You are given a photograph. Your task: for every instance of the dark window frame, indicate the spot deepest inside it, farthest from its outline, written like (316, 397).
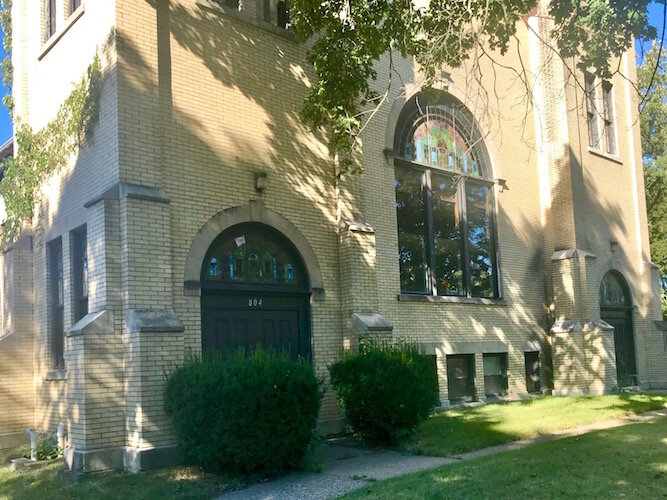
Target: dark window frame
(56, 303)
(594, 136)
(73, 6)
(50, 12)
(462, 180)
(609, 118)
(469, 393)
(79, 266)
(533, 379)
(496, 381)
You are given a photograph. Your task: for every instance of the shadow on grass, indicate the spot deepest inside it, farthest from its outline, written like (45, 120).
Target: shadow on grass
(48, 482)
(462, 430)
(625, 462)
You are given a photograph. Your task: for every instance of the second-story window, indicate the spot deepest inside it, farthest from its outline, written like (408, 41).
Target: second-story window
(275, 12)
(80, 273)
(49, 19)
(609, 118)
(73, 5)
(592, 112)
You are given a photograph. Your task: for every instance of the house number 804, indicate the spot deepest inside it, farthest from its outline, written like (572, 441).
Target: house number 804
(254, 302)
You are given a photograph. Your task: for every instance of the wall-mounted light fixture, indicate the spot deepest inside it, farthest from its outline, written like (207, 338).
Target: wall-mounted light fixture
(260, 182)
(502, 185)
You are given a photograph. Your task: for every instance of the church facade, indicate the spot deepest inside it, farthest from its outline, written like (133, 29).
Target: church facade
(506, 233)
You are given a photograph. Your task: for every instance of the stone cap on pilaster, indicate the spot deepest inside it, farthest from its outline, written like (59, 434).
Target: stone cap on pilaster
(123, 190)
(23, 242)
(354, 226)
(152, 320)
(100, 322)
(370, 322)
(572, 253)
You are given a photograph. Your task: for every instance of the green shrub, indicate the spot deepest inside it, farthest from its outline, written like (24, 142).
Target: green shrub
(385, 390)
(252, 413)
(46, 448)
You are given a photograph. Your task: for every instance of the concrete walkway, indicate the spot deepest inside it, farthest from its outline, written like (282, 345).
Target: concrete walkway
(349, 465)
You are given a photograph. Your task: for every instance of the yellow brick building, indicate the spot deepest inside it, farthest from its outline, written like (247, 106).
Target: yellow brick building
(507, 235)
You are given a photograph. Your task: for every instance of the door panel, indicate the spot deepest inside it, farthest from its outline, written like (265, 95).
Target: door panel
(232, 320)
(626, 367)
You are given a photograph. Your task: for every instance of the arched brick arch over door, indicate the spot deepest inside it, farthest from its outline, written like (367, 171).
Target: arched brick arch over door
(256, 274)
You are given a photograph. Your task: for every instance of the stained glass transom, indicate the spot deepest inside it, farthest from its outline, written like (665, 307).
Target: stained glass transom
(253, 254)
(613, 291)
(442, 135)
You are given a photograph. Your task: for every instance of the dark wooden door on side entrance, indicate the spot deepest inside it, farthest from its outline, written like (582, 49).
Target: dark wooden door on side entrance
(626, 367)
(616, 309)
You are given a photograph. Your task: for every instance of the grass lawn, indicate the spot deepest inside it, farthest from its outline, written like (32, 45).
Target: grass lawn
(458, 431)
(629, 461)
(182, 482)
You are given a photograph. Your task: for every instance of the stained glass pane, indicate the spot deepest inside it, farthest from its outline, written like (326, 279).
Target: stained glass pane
(480, 241)
(443, 136)
(447, 235)
(613, 292)
(411, 216)
(254, 254)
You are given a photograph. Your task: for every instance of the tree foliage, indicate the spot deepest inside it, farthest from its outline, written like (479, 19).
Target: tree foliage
(350, 36)
(6, 67)
(40, 153)
(653, 85)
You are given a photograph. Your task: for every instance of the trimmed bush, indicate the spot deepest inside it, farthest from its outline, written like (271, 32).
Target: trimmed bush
(385, 390)
(252, 413)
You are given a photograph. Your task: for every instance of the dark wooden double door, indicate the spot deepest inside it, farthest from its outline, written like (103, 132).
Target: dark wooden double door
(626, 365)
(233, 320)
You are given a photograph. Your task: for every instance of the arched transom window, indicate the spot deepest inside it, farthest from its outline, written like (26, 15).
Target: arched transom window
(253, 255)
(614, 291)
(444, 202)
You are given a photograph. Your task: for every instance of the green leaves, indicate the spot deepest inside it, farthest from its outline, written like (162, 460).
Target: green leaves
(39, 154)
(350, 36)
(653, 85)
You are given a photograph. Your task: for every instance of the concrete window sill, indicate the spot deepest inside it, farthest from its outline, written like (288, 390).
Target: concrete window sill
(69, 22)
(606, 156)
(241, 16)
(55, 375)
(406, 297)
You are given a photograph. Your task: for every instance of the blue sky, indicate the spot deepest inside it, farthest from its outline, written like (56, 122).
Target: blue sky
(655, 16)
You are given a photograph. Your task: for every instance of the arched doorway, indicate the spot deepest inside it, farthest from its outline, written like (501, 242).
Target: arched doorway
(255, 292)
(616, 309)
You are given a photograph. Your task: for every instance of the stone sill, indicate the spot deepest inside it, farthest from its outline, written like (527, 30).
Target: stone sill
(606, 156)
(56, 375)
(451, 300)
(241, 16)
(69, 22)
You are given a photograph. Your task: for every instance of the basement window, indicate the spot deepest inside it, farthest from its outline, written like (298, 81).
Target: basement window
(533, 379)
(461, 377)
(495, 374)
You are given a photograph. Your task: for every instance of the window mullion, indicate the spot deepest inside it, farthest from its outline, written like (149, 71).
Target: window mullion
(430, 235)
(467, 272)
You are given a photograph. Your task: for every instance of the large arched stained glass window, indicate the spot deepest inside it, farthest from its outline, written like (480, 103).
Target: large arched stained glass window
(444, 202)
